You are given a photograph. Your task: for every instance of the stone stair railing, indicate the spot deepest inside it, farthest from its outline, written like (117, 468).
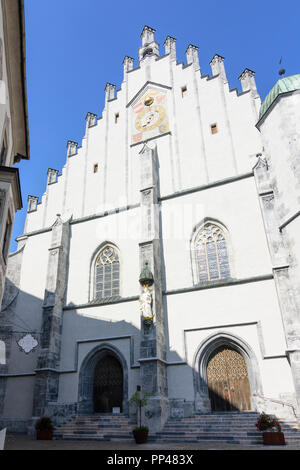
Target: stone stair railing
(280, 402)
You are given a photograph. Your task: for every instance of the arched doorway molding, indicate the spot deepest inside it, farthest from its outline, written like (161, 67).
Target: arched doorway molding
(201, 358)
(86, 377)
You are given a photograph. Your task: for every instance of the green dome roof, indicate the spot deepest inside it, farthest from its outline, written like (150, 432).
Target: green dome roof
(284, 85)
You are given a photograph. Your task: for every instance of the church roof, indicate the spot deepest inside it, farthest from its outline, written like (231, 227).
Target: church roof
(284, 85)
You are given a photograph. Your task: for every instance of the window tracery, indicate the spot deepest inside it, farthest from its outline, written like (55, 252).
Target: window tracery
(107, 273)
(211, 256)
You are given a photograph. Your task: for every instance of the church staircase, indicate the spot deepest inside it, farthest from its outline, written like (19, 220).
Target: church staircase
(226, 427)
(97, 427)
(222, 427)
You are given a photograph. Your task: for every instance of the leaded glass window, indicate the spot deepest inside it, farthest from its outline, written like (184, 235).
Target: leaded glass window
(107, 274)
(211, 255)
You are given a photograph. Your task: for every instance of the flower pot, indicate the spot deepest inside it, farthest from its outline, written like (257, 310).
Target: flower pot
(140, 435)
(273, 438)
(44, 435)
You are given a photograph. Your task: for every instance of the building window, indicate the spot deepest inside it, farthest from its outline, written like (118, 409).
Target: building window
(4, 148)
(210, 251)
(95, 167)
(6, 239)
(117, 118)
(183, 91)
(107, 274)
(213, 128)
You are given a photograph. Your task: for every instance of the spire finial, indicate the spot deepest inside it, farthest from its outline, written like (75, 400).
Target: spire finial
(281, 71)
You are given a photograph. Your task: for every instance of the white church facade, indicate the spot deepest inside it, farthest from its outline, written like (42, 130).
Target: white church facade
(164, 255)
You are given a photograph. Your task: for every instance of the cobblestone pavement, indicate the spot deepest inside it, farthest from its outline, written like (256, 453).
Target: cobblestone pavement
(24, 442)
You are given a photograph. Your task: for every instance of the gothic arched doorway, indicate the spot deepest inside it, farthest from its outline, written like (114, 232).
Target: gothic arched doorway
(108, 384)
(228, 381)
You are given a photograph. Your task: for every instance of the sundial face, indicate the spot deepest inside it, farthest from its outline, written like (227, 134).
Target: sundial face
(149, 115)
(149, 118)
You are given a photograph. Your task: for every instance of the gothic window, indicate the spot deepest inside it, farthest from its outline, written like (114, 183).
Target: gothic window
(210, 251)
(107, 273)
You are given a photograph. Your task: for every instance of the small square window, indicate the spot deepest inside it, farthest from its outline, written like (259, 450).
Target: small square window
(183, 91)
(117, 118)
(95, 167)
(213, 128)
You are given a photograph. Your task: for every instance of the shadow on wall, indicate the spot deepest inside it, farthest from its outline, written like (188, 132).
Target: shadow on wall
(99, 364)
(109, 350)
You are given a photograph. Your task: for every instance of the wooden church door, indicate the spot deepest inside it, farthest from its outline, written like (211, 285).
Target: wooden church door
(108, 385)
(228, 382)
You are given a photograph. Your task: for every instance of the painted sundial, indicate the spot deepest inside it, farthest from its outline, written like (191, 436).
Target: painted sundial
(149, 116)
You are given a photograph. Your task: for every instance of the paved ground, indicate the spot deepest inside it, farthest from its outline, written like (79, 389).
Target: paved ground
(24, 442)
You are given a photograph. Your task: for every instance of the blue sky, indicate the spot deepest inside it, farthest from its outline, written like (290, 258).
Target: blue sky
(74, 47)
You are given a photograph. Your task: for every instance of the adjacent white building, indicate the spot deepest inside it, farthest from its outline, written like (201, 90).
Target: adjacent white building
(14, 137)
(186, 193)
(14, 146)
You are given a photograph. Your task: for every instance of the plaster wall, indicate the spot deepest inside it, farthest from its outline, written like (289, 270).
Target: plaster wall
(119, 229)
(68, 388)
(281, 133)
(236, 207)
(80, 191)
(98, 322)
(19, 398)
(247, 311)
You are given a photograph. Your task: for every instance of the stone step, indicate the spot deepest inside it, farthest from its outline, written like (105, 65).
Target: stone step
(226, 428)
(102, 421)
(108, 437)
(227, 423)
(246, 437)
(222, 428)
(234, 428)
(98, 426)
(101, 433)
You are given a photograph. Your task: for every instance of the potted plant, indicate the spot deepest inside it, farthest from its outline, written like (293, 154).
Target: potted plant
(271, 430)
(140, 432)
(44, 429)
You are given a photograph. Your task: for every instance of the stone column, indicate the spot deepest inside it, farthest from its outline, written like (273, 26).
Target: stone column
(52, 176)
(47, 376)
(170, 47)
(153, 370)
(72, 148)
(248, 81)
(109, 92)
(192, 56)
(217, 67)
(91, 120)
(127, 66)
